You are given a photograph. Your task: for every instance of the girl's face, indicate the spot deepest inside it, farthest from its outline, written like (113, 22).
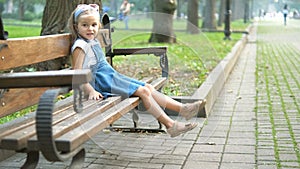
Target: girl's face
(88, 26)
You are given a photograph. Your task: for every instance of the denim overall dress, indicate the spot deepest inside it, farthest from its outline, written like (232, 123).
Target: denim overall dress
(106, 79)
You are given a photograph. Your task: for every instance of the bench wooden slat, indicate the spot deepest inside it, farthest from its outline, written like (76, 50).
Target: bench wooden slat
(33, 50)
(18, 139)
(18, 52)
(28, 119)
(45, 78)
(28, 97)
(159, 82)
(14, 100)
(78, 119)
(81, 134)
(147, 79)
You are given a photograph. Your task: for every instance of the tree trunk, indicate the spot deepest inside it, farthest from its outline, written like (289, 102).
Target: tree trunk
(221, 12)
(179, 4)
(1, 8)
(56, 15)
(10, 6)
(209, 21)
(246, 12)
(114, 7)
(21, 9)
(55, 20)
(193, 22)
(163, 12)
(238, 7)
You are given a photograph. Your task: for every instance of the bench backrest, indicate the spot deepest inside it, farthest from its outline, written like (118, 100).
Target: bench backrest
(26, 51)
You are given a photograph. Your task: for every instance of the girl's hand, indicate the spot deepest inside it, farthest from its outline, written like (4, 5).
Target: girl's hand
(94, 95)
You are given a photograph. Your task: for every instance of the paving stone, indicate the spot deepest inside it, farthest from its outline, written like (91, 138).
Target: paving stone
(207, 148)
(204, 156)
(239, 158)
(267, 166)
(194, 164)
(241, 141)
(170, 166)
(239, 149)
(145, 165)
(237, 166)
(213, 140)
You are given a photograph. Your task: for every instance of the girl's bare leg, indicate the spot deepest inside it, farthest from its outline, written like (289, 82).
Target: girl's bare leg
(165, 101)
(174, 128)
(188, 110)
(152, 107)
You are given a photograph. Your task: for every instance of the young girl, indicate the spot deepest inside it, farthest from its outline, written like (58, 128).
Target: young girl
(84, 25)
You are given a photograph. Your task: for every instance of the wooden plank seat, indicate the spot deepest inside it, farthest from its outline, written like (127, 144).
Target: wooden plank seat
(63, 131)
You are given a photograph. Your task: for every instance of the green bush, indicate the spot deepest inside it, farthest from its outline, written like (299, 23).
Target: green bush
(10, 15)
(29, 16)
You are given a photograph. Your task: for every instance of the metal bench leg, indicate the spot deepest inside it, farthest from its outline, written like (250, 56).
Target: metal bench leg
(31, 160)
(135, 119)
(164, 64)
(78, 160)
(160, 125)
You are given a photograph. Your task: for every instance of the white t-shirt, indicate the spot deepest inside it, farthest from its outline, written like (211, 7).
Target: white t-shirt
(90, 58)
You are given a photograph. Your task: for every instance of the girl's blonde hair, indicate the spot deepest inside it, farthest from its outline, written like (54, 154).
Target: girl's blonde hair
(78, 12)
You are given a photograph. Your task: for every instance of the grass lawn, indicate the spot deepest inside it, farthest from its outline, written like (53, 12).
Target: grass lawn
(190, 59)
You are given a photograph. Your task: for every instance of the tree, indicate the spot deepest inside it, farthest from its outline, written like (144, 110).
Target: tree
(238, 7)
(179, 5)
(55, 20)
(1, 7)
(21, 9)
(209, 21)
(10, 5)
(221, 12)
(193, 22)
(246, 11)
(163, 12)
(55, 16)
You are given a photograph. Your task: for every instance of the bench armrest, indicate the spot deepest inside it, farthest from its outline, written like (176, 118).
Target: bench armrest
(59, 78)
(157, 51)
(146, 50)
(44, 130)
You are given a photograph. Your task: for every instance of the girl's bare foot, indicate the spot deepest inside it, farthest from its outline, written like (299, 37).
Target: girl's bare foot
(189, 110)
(180, 128)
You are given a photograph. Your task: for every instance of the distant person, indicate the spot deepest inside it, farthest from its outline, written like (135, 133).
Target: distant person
(285, 13)
(124, 12)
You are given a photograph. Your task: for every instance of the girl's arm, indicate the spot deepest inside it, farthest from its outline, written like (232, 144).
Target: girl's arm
(77, 59)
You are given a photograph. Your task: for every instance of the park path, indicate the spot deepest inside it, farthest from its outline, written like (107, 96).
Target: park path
(255, 122)
(278, 95)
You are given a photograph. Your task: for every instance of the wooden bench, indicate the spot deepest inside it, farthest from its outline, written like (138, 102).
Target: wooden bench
(57, 129)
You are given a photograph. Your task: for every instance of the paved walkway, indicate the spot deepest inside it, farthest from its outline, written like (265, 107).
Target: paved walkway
(255, 122)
